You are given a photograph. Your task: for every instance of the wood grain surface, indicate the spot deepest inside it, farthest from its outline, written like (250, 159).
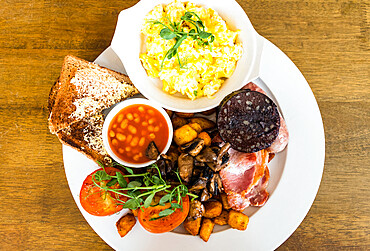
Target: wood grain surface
(327, 39)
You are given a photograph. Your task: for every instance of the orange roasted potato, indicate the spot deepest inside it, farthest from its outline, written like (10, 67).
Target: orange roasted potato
(206, 138)
(125, 224)
(222, 218)
(184, 135)
(206, 229)
(238, 220)
(224, 201)
(192, 226)
(212, 209)
(196, 127)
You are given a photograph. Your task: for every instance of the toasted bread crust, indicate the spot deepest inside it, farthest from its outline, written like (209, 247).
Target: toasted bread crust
(84, 134)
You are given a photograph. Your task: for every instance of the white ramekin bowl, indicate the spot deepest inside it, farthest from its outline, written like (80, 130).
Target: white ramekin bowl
(127, 42)
(115, 110)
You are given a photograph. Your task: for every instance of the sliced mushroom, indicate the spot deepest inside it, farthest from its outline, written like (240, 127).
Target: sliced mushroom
(199, 184)
(212, 185)
(223, 157)
(207, 155)
(196, 210)
(219, 182)
(205, 195)
(213, 166)
(199, 164)
(185, 162)
(207, 173)
(194, 147)
(152, 151)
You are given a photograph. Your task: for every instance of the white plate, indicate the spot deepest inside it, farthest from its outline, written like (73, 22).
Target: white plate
(295, 173)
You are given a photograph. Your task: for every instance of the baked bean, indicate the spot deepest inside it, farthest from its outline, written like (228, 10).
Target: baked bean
(144, 123)
(142, 141)
(121, 137)
(151, 112)
(129, 138)
(134, 141)
(151, 121)
(152, 136)
(119, 118)
(136, 115)
(114, 142)
(121, 151)
(124, 124)
(141, 109)
(112, 134)
(132, 129)
(151, 128)
(115, 126)
(130, 116)
(127, 148)
(137, 120)
(156, 129)
(136, 157)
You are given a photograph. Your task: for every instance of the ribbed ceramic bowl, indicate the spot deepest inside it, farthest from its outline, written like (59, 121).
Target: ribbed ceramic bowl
(127, 44)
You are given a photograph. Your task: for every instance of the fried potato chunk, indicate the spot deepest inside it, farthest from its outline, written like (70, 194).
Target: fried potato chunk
(224, 201)
(206, 229)
(192, 226)
(177, 122)
(222, 218)
(125, 224)
(184, 114)
(203, 122)
(196, 127)
(184, 135)
(212, 209)
(238, 220)
(205, 136)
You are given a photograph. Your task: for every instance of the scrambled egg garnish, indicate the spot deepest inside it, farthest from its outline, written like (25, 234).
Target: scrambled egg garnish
(204, 68)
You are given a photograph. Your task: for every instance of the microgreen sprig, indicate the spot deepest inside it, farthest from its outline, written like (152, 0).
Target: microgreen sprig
(175, 30)
(142, 189)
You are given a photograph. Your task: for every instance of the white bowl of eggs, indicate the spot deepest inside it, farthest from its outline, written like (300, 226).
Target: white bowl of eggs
(187, 55)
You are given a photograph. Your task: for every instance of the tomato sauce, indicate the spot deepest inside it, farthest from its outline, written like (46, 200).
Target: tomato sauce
(133, 128)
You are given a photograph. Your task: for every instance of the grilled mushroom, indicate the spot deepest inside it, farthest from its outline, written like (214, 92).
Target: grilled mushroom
(205, 195)
(152, 151)
(194, 147)
(219, 182)
(196, 210)
(223, 157)
(207, 155)
(185, 162)
(199, 184)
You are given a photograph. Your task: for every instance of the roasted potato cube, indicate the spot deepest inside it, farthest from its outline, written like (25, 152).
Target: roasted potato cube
(135, 211)
(196, 127)
(222, 218)
(203, 122)
(184, 115)
(238, 220)
(169, 112)
(224, 201)
(205, 136)
(177, 122)
(212, 209)
(125, 224)
(206, 229)
(184, 135)
(192, 226)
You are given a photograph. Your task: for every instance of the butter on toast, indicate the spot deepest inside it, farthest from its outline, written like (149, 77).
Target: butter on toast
(83, 90)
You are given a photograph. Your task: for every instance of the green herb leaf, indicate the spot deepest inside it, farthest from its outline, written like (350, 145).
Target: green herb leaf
(133, 184)
(164, 199)
(176, 205)
(156, 180)
(166, 212)
(131, 204)
(167, 34)
(121, 180)
(101, 175)
(195, 93)
(204, 34)
(148, 200)
(112, 182)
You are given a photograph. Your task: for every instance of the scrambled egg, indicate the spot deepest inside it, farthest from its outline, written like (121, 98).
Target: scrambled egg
(205, 68)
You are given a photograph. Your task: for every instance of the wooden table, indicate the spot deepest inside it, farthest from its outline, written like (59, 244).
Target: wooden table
(327, 39)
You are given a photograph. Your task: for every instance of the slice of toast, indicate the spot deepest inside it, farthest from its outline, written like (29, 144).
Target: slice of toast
(85, 89)
(86, 137)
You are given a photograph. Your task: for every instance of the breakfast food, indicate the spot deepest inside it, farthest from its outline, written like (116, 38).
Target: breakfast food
(190, 48)
(248, 120)
(79, 83)
(135, 127)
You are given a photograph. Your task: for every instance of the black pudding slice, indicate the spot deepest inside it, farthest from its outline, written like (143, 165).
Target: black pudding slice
(248, 120)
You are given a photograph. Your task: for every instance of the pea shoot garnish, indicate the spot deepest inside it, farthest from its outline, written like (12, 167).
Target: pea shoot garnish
(142, 189)
(175, 30)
